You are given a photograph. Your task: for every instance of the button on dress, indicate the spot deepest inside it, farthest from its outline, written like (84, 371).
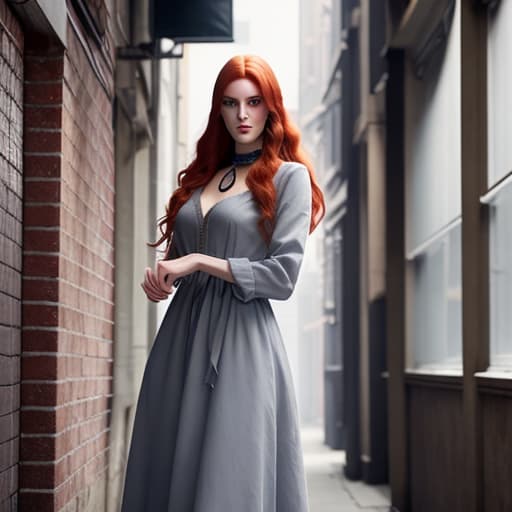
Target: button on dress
(216, 424)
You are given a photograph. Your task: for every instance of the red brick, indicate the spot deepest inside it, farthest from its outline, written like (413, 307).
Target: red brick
(10, 306)
(9, 399)
(37, 422)
(40, 476)
(42, 191)
(30, 501)
(9, 453)
(77, 459)
(40, 315)
(9, 426)
(43, 116)
(40, 341)
(43, 393)
(45, 166)
(41, 240)
(40, 289)
(84, 216)
(95, 367)
(65, 492)
(9, 486)
(41, 265)
(37, 448)
(73, 366)
(9, 370)
(40, 367)
(11, 340)
(41, 216)
(42, 142)
(43, 93)
(42, 68)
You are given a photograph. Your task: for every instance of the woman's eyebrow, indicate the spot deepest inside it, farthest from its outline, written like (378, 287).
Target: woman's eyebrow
(257, 96)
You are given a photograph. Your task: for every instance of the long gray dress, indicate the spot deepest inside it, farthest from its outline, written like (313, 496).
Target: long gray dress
(216, 424)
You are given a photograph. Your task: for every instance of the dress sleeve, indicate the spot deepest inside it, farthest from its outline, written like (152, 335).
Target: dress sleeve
(274, 277)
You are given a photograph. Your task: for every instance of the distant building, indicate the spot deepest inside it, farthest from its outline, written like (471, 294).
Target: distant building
(320, 121)
(427, 278)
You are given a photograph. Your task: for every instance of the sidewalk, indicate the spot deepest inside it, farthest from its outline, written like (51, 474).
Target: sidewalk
(328, 490)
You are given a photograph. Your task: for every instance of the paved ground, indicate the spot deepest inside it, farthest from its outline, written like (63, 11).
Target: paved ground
(328, 490)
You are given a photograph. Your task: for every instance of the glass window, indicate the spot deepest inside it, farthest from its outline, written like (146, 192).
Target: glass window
(436, 312)
(499, 196)
(500, 241)
(433, 207)
(499, 78)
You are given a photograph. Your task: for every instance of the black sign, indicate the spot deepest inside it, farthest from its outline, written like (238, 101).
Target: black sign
(193, 21)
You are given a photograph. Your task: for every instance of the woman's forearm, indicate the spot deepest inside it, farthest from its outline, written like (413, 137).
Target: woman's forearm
(217, 267)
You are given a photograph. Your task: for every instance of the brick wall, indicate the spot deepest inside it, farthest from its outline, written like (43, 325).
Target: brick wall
(68, 277)
(11, 176)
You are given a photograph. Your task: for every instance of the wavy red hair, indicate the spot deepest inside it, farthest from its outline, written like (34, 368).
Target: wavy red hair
(215, 148)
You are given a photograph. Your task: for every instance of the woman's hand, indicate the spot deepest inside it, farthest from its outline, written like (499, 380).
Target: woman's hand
(168, 271)
(158, 285)
(151, 287)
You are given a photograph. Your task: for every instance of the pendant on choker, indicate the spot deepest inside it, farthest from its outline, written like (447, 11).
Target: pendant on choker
(229, 178)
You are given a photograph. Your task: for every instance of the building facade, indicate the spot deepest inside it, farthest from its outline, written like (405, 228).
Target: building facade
(81, 160)
(426, 251)
(449, 285)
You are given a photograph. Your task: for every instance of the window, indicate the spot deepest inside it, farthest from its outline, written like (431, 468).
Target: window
(501, 277)
(433, 208)
(499, 195)
(499, 78)
(436, 301)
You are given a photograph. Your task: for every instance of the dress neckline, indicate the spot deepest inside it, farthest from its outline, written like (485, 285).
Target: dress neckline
(199, 192)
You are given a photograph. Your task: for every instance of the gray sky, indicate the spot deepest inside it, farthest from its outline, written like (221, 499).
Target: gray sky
(268, 28)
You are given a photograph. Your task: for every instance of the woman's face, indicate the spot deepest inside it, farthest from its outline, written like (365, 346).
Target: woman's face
(244, 113)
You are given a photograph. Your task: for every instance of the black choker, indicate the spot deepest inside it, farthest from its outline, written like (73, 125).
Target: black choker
(238, 159)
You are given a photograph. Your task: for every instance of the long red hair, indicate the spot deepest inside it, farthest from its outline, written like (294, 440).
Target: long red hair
(215, 148)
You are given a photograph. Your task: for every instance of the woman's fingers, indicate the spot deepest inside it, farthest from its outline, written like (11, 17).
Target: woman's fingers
(150, 276)
(151, 288)
(155, 293)
(149, 294)
(154, 290)
(152, 284)
(155, 297)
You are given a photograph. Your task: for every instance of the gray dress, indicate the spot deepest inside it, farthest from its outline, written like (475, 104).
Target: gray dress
(216, 424)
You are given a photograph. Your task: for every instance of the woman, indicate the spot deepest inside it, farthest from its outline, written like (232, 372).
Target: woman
(216, 427)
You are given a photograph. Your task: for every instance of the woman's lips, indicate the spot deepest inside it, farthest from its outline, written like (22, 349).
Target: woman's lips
(244, 128)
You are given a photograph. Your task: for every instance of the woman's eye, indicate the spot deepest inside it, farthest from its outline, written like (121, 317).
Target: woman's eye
(254, 101)
(228, 103)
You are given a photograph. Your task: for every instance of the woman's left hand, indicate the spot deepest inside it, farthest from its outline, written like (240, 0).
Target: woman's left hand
(167, 271)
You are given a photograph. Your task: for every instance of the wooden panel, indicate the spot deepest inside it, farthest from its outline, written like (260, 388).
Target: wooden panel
(497, 452)
(436, 449)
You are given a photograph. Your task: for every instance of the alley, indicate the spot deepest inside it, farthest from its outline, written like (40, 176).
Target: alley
(328, 490)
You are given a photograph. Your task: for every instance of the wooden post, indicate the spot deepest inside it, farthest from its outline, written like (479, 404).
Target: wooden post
(475, 259)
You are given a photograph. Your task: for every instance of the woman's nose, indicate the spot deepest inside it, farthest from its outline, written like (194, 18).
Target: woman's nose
(242, 113)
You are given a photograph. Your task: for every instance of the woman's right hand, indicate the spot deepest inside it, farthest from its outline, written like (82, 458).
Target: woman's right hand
(152, 288)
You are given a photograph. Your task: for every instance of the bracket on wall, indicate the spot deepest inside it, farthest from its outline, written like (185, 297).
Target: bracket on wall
(153, 51)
